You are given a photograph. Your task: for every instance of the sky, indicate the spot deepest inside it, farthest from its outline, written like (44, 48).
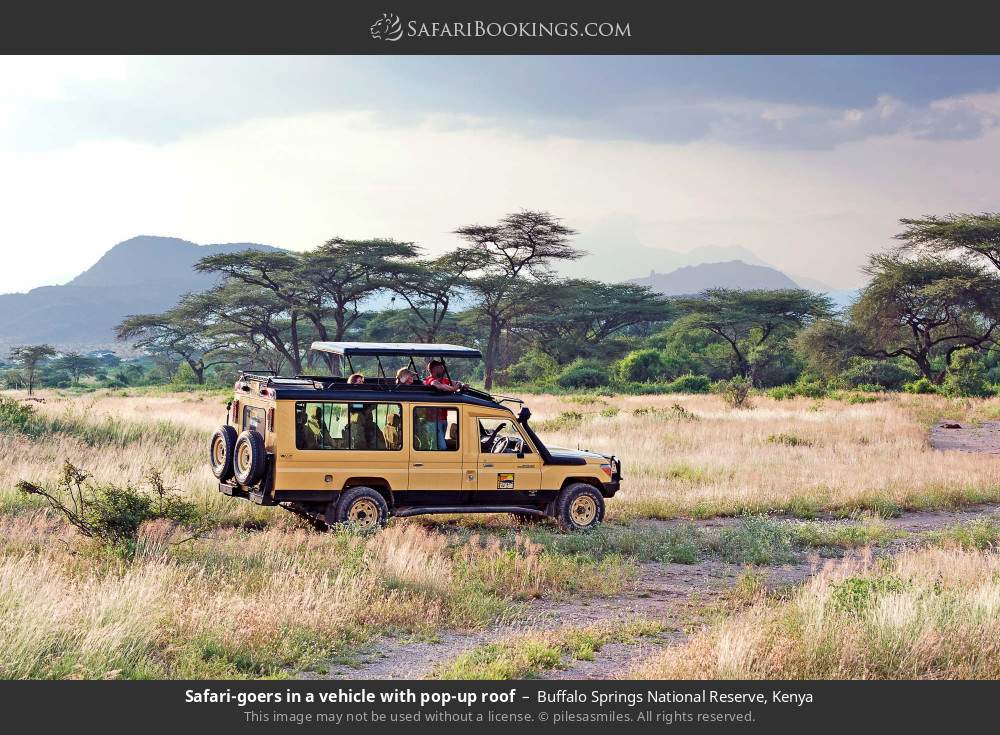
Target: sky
(808, 162)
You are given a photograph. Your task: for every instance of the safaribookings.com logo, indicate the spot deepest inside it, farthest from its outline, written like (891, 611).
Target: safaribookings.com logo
(390, 28)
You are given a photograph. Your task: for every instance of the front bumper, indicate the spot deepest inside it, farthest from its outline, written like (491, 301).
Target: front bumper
(613, 485)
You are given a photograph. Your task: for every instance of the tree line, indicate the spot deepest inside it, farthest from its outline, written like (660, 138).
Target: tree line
(930, 310)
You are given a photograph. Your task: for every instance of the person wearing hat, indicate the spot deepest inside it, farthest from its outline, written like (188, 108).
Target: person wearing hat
(437, 378)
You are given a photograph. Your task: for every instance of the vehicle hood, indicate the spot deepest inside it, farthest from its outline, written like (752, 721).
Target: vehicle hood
(563, 452)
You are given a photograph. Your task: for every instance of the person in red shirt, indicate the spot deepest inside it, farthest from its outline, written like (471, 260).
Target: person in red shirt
(436, 377)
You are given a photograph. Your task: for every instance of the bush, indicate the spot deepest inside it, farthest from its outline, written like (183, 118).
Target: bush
(735, 392)
(114, 514)
(967, 376)
(690, 384)
(756, 540)
(641, 366)
(862, 373)
(184, 375)
(15, 417)
(533, 366)
(583, 374)
(921, 385)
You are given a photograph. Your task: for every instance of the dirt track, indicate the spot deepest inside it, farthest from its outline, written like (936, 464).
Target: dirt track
(675, 594)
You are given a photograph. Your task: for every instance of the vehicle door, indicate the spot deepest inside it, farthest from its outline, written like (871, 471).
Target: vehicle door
(436, 447)
(506, 458)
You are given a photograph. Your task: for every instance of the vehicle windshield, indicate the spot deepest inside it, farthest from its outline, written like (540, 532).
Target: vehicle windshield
(501, 436)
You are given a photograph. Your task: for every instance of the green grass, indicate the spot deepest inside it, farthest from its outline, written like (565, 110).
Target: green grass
(525, 657)
(756, 540)
(683, 544)
(981, 534)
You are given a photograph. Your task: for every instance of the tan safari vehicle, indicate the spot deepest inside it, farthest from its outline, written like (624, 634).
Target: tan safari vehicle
(335, 452)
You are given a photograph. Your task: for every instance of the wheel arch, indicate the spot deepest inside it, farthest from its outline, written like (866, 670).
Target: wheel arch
(378, 484)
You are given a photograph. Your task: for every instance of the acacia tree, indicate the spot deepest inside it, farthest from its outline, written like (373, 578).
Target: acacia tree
(76, 365)
(519, 251)
(748, 321)
(429, 286)
(179, 333)
(923, 309)
(575, 315)
(974, 236)
(29, 358)
(239, 314)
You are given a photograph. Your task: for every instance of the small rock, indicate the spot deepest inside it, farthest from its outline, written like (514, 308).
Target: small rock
(951, 426)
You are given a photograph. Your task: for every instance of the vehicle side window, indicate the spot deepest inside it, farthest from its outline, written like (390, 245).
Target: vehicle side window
(253, 419)
(361, 426)
(435, 429)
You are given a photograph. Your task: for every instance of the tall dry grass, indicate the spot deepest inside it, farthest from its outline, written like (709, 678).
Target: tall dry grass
(801, 455)
(931, 614)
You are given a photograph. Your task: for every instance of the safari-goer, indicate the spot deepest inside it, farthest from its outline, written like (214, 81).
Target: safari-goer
(405, 376)
(356, 379)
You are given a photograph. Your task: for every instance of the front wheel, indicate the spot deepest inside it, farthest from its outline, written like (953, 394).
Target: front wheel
(361, 508)
(579, 507)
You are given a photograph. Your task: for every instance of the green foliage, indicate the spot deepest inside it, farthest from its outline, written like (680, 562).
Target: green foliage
(920, 385)
(888, 374)
(756, 540)
(681, 545)
(583, 374)
(641, 366)
(981, 534)
(184, 375)
(735, 391)
(857, 594)
(533, 366)
(690, 384)
(15, 417)
(114, 514)
(967, 376)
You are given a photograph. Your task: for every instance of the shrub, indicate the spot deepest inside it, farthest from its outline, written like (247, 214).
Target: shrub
(533, 366)
(921, 385)
(114, 514)
(863, 372)
(15, 417)
(690, 384)
(789, 440)
(583, 374)
(184, 375)
(810, 389)
(641, 366)
(735, 392)
(967, 376)
(756, 540)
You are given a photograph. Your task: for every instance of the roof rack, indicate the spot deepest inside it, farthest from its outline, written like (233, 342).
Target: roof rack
(395, 349)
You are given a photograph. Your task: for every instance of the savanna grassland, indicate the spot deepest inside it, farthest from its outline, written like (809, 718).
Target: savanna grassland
(261, 595)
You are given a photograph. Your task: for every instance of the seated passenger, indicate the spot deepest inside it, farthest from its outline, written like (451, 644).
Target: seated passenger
(405, 376)
(393, 431)
(316, 434)
(365, 433)
(356, 379)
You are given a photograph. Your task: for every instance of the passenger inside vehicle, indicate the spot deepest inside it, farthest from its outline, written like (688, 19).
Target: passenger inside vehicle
(356, 379)
(316, 434)
(365, 433)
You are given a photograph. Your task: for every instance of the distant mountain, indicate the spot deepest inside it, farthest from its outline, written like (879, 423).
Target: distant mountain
(694, 279)
(141, 275)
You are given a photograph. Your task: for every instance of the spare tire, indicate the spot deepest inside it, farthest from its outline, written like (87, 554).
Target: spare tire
(220, 452)
(249, 458)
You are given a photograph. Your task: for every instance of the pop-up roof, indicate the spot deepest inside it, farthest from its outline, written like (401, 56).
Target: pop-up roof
(399, 349)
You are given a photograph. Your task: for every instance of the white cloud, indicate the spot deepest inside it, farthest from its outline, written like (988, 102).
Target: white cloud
(298, 180)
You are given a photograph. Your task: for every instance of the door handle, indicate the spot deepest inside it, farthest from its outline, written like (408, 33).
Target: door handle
(525, 466)
(487, 465)
(418, 464)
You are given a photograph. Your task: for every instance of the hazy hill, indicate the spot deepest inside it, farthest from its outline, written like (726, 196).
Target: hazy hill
(143, 274)
(693, 279)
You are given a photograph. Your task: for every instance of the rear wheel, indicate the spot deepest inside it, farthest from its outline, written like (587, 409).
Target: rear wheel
(249, 458)
(220, 452)
(579, 507)
(361, 508)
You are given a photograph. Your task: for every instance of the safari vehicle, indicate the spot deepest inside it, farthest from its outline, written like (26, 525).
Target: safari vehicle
(335, 452)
